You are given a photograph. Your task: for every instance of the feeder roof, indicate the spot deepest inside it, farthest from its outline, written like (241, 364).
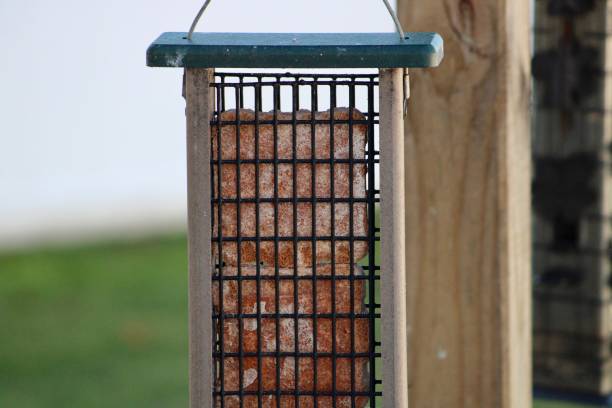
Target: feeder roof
(304, 50)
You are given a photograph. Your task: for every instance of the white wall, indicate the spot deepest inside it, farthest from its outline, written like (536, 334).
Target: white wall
(92, 141)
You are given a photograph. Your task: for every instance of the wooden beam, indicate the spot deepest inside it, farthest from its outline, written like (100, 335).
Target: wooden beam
(392, 240)
(200, 105)
(468, 208)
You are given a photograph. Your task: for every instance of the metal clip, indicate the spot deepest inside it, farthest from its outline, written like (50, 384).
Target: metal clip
(406, 90)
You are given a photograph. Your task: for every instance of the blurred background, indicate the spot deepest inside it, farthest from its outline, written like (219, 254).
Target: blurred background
(93, 271)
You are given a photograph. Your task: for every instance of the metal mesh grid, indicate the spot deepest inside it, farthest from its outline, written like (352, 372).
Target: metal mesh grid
(572, 332)
(296, 276)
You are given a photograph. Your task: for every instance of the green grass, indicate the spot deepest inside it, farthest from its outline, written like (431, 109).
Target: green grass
(98, 326)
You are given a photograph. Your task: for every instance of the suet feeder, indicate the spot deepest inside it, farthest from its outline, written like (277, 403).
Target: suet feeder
(287, 278)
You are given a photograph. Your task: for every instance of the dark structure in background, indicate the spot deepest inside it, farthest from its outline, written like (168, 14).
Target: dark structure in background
(572, 197)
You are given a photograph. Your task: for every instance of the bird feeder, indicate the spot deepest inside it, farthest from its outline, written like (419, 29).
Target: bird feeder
(287, 173)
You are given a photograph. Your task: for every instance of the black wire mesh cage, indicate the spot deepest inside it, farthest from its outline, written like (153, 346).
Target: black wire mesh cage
(294, 203)
(293, 179)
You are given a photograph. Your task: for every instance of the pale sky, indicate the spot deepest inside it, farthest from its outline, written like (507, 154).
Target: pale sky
(91, 140)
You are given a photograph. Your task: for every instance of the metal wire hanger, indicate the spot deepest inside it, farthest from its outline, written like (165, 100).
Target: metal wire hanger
(398, 25)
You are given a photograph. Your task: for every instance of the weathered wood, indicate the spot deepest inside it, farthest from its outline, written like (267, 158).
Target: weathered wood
(393, 264)
(468, 208)
(200, 105)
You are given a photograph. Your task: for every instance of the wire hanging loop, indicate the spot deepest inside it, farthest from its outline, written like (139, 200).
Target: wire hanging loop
(398, 25)
(197, 18)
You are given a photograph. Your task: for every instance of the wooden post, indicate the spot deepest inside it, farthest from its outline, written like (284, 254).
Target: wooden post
(200, 105)
(392, 240)
(468, 208)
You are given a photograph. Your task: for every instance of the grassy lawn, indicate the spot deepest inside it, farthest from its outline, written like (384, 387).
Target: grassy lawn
(98, 326)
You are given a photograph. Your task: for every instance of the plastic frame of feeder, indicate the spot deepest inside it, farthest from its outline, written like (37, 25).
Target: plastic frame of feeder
(385, 52)
(303, 50)
(202, 102)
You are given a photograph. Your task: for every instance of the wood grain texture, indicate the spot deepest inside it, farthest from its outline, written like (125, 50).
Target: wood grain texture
(200, 103)
(468, 208)
(392, 240)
